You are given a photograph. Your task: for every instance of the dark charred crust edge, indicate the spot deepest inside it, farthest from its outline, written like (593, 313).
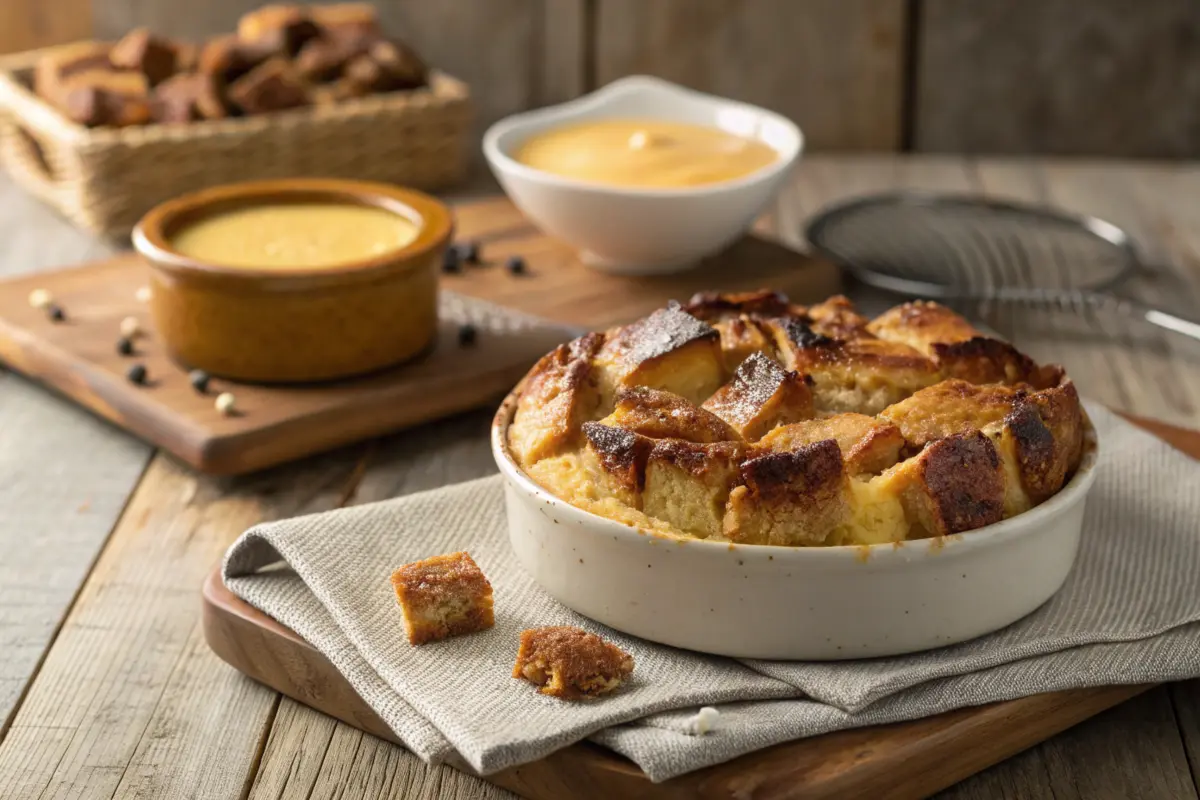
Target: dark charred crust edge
(802, 472)
(714, 305)
(622, 453)
(963, 477)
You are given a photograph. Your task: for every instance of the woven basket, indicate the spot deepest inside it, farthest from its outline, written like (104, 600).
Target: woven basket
(105, 179)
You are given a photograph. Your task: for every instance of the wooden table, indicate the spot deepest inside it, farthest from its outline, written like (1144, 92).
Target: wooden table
(107, 688)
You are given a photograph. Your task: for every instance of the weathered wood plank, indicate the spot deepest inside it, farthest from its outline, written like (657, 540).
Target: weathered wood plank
(129, 700)
(1059, 77)
(311, 755)
(494, 45)
(29, 24)
(295, 753)
(834, 67)
(64, 475)
(1185, 698)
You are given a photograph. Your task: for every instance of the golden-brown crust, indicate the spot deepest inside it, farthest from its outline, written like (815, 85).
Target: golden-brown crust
(868, 444)
(670, 350)
(864, 374)
(837, 317)
(955, 484)
(760, 396)
(570, 663)
(560, 394)
(793, 498)
(620, 453)
(742, 337)
(443, 596)
(958, 348)
(664, 415)
(718, 305)
(853, 438)
(949, 407)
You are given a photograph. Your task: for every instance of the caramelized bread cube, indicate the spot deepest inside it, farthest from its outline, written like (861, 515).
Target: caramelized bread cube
(616, 458)
(663, 415)
(570, 663)
(146, 53)
(349, 21)
(323, 59)
(277, 28)
(957, 347)
(865, 375)
(742, 337)
(713, 306)
(226, 58)
(63, 62)
(955, 484)
(443, 596)
(1048, 459)
(687, 484)
(271, 86)
(795, 498)
(402, 67)
(1039, 435)
(187, 97)
(947, 408)
(561, 393)
(868, 445)
(670, 350)
(106, 97)
(836, 318)
(761, 396)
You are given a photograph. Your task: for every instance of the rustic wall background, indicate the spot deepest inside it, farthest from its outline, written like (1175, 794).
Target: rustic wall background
(1092, 77)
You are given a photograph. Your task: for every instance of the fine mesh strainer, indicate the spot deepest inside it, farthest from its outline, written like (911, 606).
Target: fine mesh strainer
(973, 249)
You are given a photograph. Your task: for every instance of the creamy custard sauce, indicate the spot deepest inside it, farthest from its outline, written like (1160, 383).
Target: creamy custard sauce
(644, 153)
(294, 235)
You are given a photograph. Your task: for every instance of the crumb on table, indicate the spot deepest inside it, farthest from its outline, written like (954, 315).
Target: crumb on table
(443, 596)
(570, 663)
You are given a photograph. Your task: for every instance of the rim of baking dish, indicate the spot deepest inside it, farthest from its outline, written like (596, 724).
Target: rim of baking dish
(581, 107)
(1026, 523)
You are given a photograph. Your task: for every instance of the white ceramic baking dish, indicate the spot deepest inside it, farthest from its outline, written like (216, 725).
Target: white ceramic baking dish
(634, 230)
(820, 603)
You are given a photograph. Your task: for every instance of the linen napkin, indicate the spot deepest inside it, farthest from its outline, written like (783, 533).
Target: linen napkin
(1128, 613)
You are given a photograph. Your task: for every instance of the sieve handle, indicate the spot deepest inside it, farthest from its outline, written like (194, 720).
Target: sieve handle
(1171, 322)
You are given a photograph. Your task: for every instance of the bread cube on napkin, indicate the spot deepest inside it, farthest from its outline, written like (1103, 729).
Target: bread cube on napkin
(443, 596)
(570, 663)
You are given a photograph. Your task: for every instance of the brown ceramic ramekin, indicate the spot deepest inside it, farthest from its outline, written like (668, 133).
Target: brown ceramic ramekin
(282, 325)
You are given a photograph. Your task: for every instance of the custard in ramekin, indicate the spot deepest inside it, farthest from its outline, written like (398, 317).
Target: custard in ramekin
(295, 280)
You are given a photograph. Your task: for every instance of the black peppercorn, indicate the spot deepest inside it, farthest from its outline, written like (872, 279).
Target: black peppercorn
(467, 334)
(199, 380)
(136, 374)
(469, 252)
(450, 261)
(55, 312)
(515, 265)
(125, 346)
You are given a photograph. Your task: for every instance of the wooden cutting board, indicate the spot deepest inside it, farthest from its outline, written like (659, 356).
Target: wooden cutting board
(897, 762)
(78, 357)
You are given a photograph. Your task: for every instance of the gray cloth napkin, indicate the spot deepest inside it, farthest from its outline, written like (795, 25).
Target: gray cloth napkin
(1129, 613)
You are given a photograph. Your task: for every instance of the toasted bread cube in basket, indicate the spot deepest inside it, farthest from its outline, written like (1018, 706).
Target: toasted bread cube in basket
(443, 596)
(570, 663)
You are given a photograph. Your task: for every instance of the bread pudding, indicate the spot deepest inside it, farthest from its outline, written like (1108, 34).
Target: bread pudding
(749, 419)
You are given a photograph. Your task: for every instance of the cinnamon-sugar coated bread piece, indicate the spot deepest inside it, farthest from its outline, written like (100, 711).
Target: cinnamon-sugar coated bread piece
(570, 663)
(443, 596)
(750, 419)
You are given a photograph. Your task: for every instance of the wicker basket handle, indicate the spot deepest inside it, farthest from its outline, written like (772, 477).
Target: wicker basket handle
(26, 153)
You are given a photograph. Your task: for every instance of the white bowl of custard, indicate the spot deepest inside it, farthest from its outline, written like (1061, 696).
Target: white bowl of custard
(644, 176)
